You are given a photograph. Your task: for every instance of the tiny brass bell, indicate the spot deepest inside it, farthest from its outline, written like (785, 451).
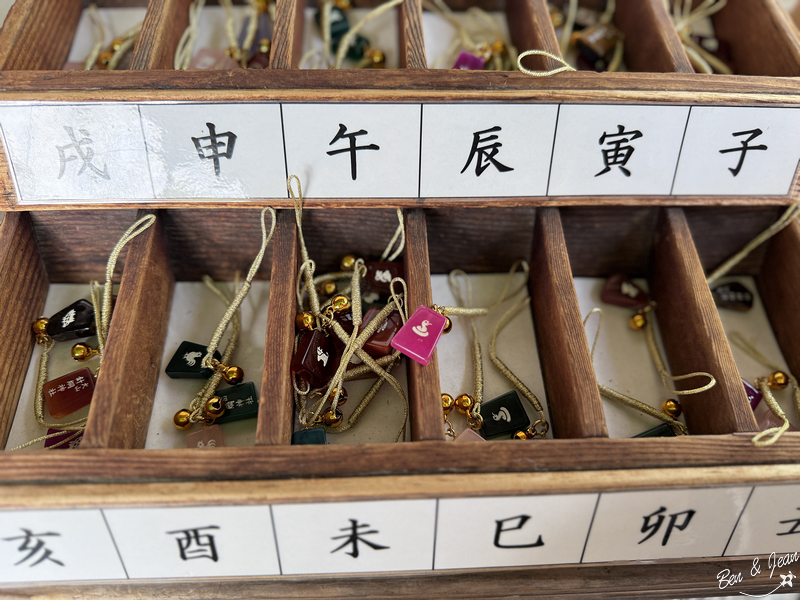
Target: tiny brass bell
(264, 46)
(83, 352)
(305, 321)
(637, 322)
(342, 396)
(215, 407)
(448, 326)
(671, 408)
(377, 59)
(520, 435)
(340, 303)
(464, 403)
(104, 59)
(343, 4)
(348, 263)
(233, 374)
(498, 48)
(332, 419)
(448, 402)
(39, 327)
(182, 419)
(327, 288)
(116, 44)
(778, 380)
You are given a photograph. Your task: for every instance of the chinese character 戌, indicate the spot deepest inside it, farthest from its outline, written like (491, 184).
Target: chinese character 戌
(82, 151)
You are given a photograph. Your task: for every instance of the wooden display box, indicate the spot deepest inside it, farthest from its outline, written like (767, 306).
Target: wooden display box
(671, 240)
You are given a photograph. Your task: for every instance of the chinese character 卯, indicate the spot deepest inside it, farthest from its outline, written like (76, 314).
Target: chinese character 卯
(673, 518)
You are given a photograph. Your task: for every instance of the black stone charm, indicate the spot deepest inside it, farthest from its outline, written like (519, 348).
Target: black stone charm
(241, 402)
(339, 24)
(504, 415)
(186, 363)
(358, 46)
(662, 430)
(733, 296)
(75, 321)
(309, 436)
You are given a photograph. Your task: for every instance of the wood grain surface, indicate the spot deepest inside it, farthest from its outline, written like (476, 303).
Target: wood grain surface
(287, 35)
(531, 29)
(163, 26)
(651, 42)
(410, 36)
(37, 34)
(23, 289)
(576, 410)
(123, 397)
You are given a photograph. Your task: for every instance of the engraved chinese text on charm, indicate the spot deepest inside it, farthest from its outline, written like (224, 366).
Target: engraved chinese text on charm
(619, 290)
(418, 337)
(68, 393)
(733, 296)
(241, 402)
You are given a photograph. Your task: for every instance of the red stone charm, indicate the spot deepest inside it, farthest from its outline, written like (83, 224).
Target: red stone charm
(380, 343)
(316, 358)
(67, 394)
(58, 442)
(768, 420)
(753, 395)
(619, 290)
(207, 437)
(380, 275)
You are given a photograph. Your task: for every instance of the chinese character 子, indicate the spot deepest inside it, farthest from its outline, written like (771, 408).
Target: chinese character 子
(82, 151)
(33, 545)
(340, 135)
(355, 536)
(794, 529)
(485, 147)
(618, 152)
(753, 133)
(521, 520)
(193, 544)
(215, 145)
(673, 524)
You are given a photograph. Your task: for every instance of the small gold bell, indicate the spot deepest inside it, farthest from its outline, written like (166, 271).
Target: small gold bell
(448, 326)
(520, 435)
(83, 352)
(638, 322)
(215, 407)
(342, 396)
(39, 326)
(498, 48)
(464, 403)
(448, 402)
(104, 59)
(182, 419)
(327, 288)
(778, 380)
(264, 46)
(332, 419)
(233, 374)
(343, 4)
(348, 263)
(340, 303)
(116, 44)
(377, 59)
(671, 408)
(305, 321)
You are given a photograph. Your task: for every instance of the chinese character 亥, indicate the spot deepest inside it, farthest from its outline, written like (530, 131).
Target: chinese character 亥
(193, 544)
(82, 152)
(619, 152)
(212, 145)
(340, 135)
(33, 546)
(794, 529)
(355, 536)
(753, 133)
(673, 524)
(485, 151)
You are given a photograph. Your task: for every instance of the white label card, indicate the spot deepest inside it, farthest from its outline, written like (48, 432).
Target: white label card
(739, 151)
(616, 150)
(56, 545)
(664, 524)
(486, 150)
(355, 537)
(770, 523)
(204, 541)
(79, 152)
(511, 532)
(215, 150)
(353, 150)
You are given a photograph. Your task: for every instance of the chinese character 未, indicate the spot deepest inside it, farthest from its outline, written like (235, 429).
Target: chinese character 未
(619, 152)
(210, 146)
(485, 151)
(355, 536)
(340, 135)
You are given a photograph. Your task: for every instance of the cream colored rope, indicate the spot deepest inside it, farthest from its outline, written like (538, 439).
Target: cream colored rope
(185, 48)
(344, 43)
(100, 31)
(566, 66)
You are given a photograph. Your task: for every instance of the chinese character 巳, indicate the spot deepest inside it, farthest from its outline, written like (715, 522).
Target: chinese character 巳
(82, 151)
(521, 520)
(753, 134)
(215, 145)
(352, 148)
(485, 147)
(619, 151)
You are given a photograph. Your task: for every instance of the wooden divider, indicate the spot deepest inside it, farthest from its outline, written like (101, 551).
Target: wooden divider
(424, 389)
(123, 398)
(779, 287)
(276, 409)
(576, 410)
(23, 289)
(287, 34)
(411, 40)
(37, 34)
(651, 42)
(164, 24)
(531, 28)
(693, 335)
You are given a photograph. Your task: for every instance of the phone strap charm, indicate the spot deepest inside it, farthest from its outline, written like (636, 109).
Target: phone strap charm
(110, 58)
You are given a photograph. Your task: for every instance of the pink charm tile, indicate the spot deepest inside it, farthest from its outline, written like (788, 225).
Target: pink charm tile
(418, 337)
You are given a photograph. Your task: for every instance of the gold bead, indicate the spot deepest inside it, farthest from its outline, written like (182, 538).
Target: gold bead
(342, 396)
(264, 46)
(104, 59)
(83, 352)
(348, 263)
(305, 321)
(327, 288)
(778, 380)
(182, 419)
(233, 374)
(448, 402)
(637, 322)
(671, 408)
(340, 303)
(343, 4)
(215, 407)
(332, 419)
(378, 60)
(448, 326)
(39, 326)
(116, 44)
(498, 48)
(520, 435)
(464, 403)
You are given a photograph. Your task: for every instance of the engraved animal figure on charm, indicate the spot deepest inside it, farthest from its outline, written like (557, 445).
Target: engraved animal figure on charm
(383, 276)
(322, 357)
(502, 414)
(629, 290)
(422, 329)
(68, 318)
(191, 357)
(209, 444)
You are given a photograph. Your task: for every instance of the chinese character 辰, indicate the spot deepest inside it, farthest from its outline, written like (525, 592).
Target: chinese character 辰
(340, 135)
(485, 151)
(84, 154)
(193, 544)
(211, 145)
(355, 536)
(521, 520)
(33, 545)
(794, 529)
(753, 133)
(673, 518)
(619, 152)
